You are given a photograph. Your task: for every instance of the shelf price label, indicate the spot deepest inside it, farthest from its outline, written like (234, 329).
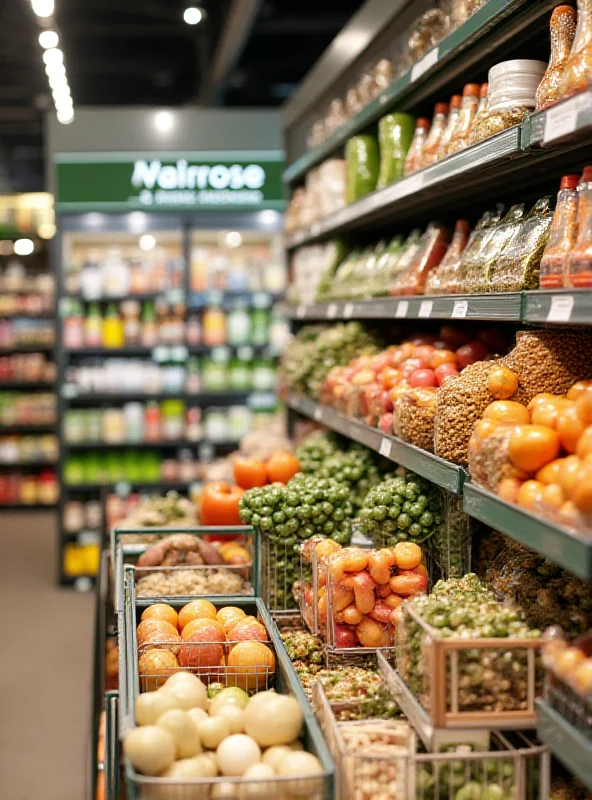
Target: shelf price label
(402, 309)
(301, 311)
(332, 311)
(385, 447)
(561, 308)
(123, 488)
(560, 121)
(425, 309)
(460, 309)
(348, 310)
(318, 414)
(69, 391)
(424, 64)
(315, 228)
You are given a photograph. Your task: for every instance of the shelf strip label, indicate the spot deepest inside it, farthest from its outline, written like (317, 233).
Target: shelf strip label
(425, 309)
(402, 309)
(460, 309)
(424, 64)
(561, 308)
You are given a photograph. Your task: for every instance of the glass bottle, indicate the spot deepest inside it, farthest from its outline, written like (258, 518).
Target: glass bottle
(414, 158)
(562, 30)
(112, 328)
(579, 262)
(453, 118)
(432, 143)
(563, 234)
(578, 69)
(482, 110)
(440, 279)
(468, 110)
(93, 326)
(149, 326)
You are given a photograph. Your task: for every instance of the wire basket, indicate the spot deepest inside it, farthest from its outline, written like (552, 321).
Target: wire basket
(280, 677)
(573, 707)
(187, 580)
(280, 570)
(469, 683)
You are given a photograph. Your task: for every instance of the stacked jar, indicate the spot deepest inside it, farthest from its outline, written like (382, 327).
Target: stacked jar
(512, 94)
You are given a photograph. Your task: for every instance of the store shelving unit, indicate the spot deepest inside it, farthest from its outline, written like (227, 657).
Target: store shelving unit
(523, 162)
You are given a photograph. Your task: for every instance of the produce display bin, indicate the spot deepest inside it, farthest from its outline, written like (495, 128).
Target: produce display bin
(469, 683)
(111, 760)
(282, 679)
(280, 570)
(125, 552)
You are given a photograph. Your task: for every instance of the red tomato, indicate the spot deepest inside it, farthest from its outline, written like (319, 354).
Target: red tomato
(249, 472)
(493, 340)
(386, 423)
(444, 371)
(390, 377)
(470, 353)
(423, 377)
(411, 364)
(219, 504)
(424, 338)
(380, 362)
(424, 352)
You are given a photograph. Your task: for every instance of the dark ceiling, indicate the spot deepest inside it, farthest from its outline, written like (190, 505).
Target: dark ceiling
(141, 52)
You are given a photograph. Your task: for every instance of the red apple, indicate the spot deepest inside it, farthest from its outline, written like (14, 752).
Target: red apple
(386, 423)
(423, 377)
(444, 371)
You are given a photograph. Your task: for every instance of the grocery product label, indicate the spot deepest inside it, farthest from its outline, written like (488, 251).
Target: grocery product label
(460, 309)
(348, 310)
(385, 447)
(332, 311)
(301, 311)
(560, 121)
(561, 308)
(424, 64)
(402, 309)
(425, 309)
(318, 414)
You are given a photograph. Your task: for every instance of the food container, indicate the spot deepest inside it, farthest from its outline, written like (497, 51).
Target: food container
(362, 165)
(283, 679)
(395, 133)
(562, 236)
(562, 30)
(579, 263)
(414, 417)
(578, 69)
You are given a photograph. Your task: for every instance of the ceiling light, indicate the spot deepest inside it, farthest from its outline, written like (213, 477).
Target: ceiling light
(48, 39)
(233, 239)
(66, 115)
(269, 217)
(24, 247)
(53, 56)
(193, 15)
(55, 69)
(61, 94)
(43, 8)
(58, 80)
(147, 242)
(164, 121)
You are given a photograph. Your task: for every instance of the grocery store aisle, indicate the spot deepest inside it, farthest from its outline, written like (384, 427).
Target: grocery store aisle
(45, 668)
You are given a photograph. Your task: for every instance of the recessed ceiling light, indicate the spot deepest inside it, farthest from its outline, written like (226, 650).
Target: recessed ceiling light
(193, 15)
(233, 239)
(53, 56)
(147, 242)
(24, 247)
(43, 8)
(48, 39)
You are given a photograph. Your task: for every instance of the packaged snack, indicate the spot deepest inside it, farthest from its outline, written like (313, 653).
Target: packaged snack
(362, 161)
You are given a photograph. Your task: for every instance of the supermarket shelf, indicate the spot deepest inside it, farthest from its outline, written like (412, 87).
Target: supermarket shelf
(25, 315)
(140, 296)
(199, 300)
(25, 507)
(161, 445)
(123, 487)
(570, 306)
(498, 307)
(27, 429)
(566, 742)
(568, 550)
(488, 27)
(165, 352)
(442, 473)
(26, 386)
(564, 121)
(483, 165)
(27, 464)
(26, 348)
(225, 398)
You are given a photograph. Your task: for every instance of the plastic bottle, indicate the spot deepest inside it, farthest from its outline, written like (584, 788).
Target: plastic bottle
(395, 134)
(113, 328)
(468, 110)
(432, 143)
(578, 69)
(149, 326)
(414, 158)
(93, 326)
(453, 118)
(440, 279)
(562, 236)
(579, 262)
(562, 30)
(482, 110)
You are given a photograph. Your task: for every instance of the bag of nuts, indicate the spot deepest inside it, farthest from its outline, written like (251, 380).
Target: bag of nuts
(414, 417)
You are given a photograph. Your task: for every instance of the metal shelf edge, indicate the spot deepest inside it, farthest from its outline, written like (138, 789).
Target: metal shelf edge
(567, 743)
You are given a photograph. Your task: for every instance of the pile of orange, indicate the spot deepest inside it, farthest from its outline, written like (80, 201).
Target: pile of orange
(550, 448)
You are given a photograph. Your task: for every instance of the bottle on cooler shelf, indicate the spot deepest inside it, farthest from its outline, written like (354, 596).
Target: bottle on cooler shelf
(93, 326)
(113, 328)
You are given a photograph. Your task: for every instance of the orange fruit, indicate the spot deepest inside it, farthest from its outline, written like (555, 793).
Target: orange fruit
(547, 412)
(502, 383)
(568, 473)
(581, 493)
(584, 408)
(196, 609)
(579, 389)
(249, 472)
(533, 446)
(584, 447)
(542, 397)
(251, 665)
(530, 494)
(228, 615)
(570, 426)
(484, 428)
(196, 625)
(281, 467)
(508, 489)
(161, 611)
(247, 629)
(408, 555)
(569, 513)
(157, 633)
(550, 472)
(553, 495)
(155, 666)
(507, 412)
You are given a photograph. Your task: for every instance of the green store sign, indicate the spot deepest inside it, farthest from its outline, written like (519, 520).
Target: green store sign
(210, 181)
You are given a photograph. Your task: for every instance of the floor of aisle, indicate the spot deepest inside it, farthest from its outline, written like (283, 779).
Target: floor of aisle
(45, 669)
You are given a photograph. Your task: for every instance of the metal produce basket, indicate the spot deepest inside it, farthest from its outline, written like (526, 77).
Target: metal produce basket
(282, 678)
(185, 580)
(280, 571)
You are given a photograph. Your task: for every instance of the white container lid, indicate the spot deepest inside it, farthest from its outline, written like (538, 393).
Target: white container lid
(518, 66)
(511, 80)
(522, 101)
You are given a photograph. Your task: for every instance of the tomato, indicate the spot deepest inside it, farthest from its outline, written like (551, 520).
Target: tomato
(470, 353)
(410, 365)
(533, 446)
(380, 362)
(455, 337)
(570, 426)
(493, 340)
(530, 494)
(423, 338)
(502, 383)
(423, 377)
(442, 357)
(390, 377)
(507, 412)
(425, 352)
(249, 472)
(282, 466)
(408, 555)
(219, 504)
(445, 371)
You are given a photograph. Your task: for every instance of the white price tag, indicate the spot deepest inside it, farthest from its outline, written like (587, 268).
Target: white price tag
(560, 121)
(69, 391)
(179, 353)
(385, 447)
(88, 537)
(424, 64)
(332, 311)
(402, 309)
(301, 311)
(83, 584)
(315, 228)
(160, 354)
(561, 308)
(425, 309)
(318, 414)
(348, 310)
(460, 309)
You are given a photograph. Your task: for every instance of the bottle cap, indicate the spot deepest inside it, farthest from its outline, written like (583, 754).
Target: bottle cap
(471, 90)
(462, 226)
(570, 181)
(517, 66)
(483, 90)
(422, 122)
(441, 108)
(587, 174)
(455, 101)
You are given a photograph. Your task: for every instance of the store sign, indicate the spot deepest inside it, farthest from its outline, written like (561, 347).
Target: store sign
(172, 182)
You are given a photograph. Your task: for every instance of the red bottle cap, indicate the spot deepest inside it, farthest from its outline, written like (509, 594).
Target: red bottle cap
(422, 122)
(441, 108)
(471, 90)
(587, 174)
(462, 226)
(455, 101)
(483, 90)
(570, 181)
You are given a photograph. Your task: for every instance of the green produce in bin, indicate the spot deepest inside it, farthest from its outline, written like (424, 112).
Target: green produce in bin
(395, 133)
(362, 163)
(94, 468)
(74, 470)
(115, 467)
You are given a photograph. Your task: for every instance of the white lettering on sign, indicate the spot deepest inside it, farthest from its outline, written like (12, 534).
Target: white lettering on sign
(561, 308)
(152, 175)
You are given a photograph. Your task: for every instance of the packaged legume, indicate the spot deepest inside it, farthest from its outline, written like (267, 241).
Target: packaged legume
(493, 246)
(578, 69)
(471, 257)
(435, 242)
(414, 417)
(562, 30)
(443, 279)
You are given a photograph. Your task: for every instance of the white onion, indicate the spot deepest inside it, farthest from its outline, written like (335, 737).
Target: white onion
(197, 714)
(187, 694)
(212, 731)
(185, 769)
(236, 754)
(303, 766)
(264, 789)
(272, 718)
(234, 715)
(224, 791)
(183, 730)
(150, 705)
(273, 755)
(150, 749)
